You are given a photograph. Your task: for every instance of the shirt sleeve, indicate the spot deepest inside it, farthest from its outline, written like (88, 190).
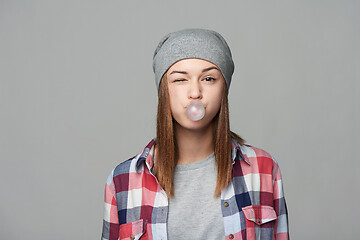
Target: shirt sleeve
(111, 220)
(281, 228)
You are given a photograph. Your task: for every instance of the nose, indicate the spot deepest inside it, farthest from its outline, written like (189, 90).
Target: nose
(195, 90)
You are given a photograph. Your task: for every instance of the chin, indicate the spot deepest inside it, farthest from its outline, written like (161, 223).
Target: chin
(194, 125)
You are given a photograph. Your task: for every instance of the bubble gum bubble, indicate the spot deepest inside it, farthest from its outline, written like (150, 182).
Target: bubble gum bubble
(195, 110)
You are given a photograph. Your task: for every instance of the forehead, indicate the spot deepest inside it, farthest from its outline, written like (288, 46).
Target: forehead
(191, 64)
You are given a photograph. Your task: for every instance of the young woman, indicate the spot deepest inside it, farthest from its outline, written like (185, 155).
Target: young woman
(196, 179)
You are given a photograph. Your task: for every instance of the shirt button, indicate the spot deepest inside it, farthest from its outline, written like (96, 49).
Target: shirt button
(231, 236)
(226, 204)
(132, 237)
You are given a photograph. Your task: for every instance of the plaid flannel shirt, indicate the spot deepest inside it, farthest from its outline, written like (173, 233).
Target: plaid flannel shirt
(253, 205)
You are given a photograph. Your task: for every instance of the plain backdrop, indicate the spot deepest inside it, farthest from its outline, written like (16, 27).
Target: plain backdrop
(77, 97)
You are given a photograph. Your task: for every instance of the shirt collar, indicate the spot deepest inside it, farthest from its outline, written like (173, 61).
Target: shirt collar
(146, 155)
(237, 152)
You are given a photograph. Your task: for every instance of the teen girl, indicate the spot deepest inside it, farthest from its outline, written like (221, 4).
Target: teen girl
(196, 179)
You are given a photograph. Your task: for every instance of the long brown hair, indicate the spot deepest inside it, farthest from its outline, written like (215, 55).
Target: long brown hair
(165, 161)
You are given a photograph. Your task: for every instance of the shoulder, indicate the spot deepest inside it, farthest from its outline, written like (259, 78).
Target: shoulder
(122, 168)
(259, 158)
(126, 166)
(132, 165)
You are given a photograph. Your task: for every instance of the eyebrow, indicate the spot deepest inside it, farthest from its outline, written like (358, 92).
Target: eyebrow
(204, 70)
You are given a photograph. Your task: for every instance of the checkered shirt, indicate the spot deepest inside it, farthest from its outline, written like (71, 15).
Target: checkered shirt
(253, 204)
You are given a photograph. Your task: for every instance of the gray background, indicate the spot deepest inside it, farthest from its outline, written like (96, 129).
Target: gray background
(77, 96)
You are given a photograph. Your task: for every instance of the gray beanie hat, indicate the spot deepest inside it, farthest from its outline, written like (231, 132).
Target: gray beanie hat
(193, 43)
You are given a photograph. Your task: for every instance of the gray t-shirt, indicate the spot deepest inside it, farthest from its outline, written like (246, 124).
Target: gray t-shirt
(194, 212)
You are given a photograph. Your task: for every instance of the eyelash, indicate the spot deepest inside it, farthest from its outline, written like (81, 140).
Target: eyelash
(207, 79)
(179, 80)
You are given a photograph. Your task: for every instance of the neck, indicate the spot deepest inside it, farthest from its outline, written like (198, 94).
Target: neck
(193, 145)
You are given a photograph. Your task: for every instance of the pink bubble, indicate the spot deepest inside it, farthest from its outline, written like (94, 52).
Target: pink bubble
(195, 110)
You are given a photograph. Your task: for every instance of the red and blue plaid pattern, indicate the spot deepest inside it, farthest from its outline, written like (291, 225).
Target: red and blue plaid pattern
(253, 204)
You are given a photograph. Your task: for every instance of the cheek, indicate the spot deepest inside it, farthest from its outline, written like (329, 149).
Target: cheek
(216, 99)
(175, 103)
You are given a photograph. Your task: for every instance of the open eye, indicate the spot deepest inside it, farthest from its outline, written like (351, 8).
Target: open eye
(209, 79)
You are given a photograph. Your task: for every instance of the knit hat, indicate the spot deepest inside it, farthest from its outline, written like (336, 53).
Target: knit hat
(193, 43)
